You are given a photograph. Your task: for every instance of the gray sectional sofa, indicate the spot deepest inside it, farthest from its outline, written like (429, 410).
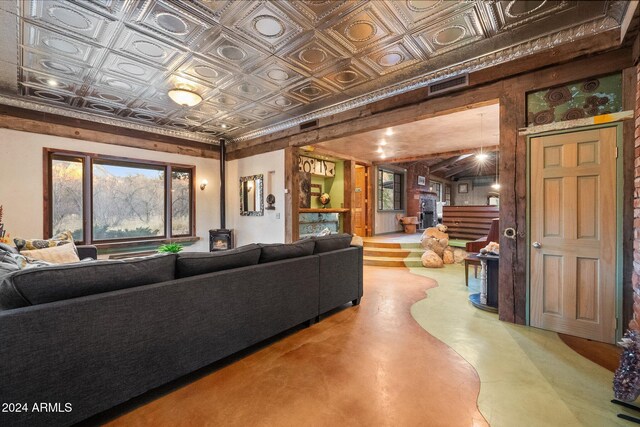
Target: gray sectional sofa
(81, 352)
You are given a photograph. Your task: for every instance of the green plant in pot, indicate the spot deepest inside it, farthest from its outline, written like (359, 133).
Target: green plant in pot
(172, 248)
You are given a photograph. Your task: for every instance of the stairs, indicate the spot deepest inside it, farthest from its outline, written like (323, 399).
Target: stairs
(386, 254)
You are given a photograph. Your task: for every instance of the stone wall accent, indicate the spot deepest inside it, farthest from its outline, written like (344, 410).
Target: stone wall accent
(635, 321)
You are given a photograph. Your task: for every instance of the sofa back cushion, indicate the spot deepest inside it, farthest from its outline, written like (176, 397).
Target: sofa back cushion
(195, 263)
(59, 282)
(332, 242)
(277, 251)
(63, 254)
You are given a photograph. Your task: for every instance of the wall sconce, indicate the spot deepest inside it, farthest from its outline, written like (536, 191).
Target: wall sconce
(203, 184)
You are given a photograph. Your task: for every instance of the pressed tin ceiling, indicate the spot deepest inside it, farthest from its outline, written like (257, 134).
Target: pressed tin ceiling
(261, 66)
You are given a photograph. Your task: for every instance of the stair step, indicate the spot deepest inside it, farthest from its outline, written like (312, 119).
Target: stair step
(392, 262)
(391, 245)
(393, 253)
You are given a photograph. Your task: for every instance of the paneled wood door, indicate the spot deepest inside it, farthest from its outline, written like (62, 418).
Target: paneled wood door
(360, 202)
(573, 233)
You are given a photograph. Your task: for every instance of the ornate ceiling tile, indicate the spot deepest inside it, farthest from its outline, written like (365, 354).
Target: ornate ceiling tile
(393, 57)
(130, 69)
(190, 116)
(230, 50)
(279, 73)
(108, 97)
(451, 33)
(207, 72)
(227, 101)
(154, 109)
(414, 13)
(68, 17)
(282, 102)
(511, 14)
(250, 88)
(320, 11)
(148, 49)
(49, 95)
(53, 43)
(219, 125)
(116, 8)
(315, 54)
(142, 116)
(260, 112)
(166, 18)
(209, 109)
(179, 124)
(265, 24)
(366, 26)
(311, 90)
(239, 120)
(45, 81)
(119, 84)
(211, 9)
(346, 75)
(54, 66)
(100, 107)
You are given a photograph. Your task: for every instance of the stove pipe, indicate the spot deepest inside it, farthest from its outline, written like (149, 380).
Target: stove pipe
(223, 205)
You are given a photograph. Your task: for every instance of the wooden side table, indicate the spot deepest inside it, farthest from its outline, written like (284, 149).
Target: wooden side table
(473, 261)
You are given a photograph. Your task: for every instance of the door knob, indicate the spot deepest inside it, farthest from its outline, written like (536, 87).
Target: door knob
(536, 245)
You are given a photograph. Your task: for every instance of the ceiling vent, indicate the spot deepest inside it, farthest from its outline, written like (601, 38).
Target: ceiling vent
(449, 84)
(308, 125)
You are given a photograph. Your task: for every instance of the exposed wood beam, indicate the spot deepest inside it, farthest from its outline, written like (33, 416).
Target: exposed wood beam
(389, 112)
(330, 153)
(466, 164)
(444, 155)
(67, 127)
(449, 161)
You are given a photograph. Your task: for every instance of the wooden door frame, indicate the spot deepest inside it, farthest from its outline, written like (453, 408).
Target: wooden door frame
(369, 218)
(619, 257)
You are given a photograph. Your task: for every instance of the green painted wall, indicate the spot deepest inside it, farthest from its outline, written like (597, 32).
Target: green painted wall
(334, 186)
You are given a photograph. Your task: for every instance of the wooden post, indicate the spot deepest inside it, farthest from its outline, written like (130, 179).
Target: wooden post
(349, 195)
(629, 82)
(291, 206)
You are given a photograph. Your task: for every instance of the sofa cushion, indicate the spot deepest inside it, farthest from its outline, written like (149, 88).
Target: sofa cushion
(57, 240)
(7, 248)
(332, 242)
(60, 282)
(277, 251)
(63, 254)
(195, 263)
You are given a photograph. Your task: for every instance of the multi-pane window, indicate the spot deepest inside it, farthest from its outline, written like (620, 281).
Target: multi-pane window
(102, 199)
(389, 190)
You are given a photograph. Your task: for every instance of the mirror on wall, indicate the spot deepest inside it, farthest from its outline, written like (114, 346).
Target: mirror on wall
(251, 202)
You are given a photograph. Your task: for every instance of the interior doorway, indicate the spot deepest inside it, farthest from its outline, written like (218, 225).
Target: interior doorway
(360, 202)
(573, 233)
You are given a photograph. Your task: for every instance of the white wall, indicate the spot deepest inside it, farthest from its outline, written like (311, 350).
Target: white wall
(257, 229)
(479, 191)
(21, 180)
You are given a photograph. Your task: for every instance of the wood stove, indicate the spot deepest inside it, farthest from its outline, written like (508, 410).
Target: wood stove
(220, 240)
(428, 215)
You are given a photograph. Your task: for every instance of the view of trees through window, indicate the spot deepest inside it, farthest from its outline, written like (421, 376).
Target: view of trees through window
(67, 196)
(389, 190)
(127, 200)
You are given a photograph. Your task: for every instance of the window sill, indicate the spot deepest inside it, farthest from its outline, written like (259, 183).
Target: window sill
(145, 243)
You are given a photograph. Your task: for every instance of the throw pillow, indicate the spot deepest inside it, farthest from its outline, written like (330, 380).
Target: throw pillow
(63, 254)
(31, 244)
(332, 242)
(195, 263)
(278, 251)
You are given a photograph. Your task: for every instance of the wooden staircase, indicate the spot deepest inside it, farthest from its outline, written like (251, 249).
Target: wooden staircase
(385, 254)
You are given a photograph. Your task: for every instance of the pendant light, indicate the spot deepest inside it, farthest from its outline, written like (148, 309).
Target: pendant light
(496, 185)
(481, 156)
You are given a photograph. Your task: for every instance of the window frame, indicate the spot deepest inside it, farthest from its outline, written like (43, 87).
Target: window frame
(398, 188)
(88, 160)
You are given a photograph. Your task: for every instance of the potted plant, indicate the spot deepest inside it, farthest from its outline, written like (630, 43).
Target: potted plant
(172, 248)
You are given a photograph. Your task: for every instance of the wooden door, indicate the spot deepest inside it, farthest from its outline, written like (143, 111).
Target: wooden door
(360, 202)
(573, 233)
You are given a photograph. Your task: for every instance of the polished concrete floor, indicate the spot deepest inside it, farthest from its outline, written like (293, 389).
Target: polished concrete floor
(370, 365)
(414, 353)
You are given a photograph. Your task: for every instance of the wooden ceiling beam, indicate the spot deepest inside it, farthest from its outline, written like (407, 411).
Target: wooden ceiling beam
(442, 155)
(448, 162)
(50, 124)
(466, 164)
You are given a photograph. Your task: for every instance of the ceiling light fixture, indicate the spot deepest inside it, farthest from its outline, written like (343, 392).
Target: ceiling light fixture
(52, 83)
(380, 150)
(383, 142)
(389, 132)
(223, 126)
(383, 156)
(184, 97)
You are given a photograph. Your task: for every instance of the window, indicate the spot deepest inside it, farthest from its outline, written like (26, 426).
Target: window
(389, 190)
(104, 199)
